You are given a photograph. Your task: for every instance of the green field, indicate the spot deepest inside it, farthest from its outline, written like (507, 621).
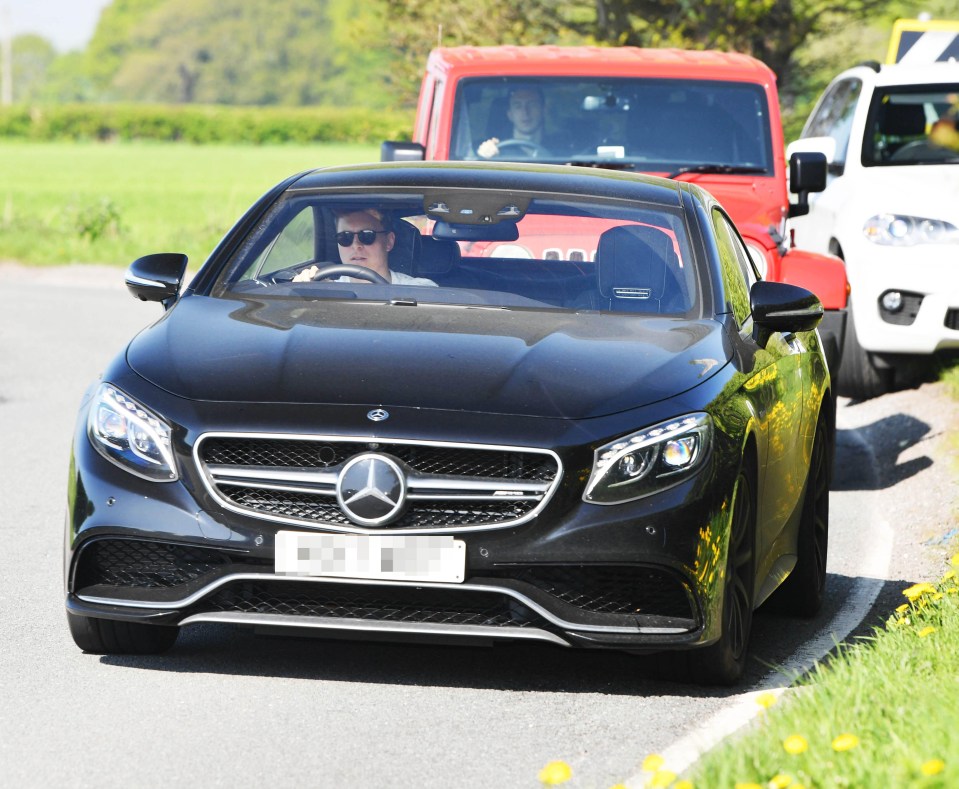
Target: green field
(112, 202)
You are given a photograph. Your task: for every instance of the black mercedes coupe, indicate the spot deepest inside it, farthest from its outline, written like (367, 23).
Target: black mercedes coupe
(459, 402)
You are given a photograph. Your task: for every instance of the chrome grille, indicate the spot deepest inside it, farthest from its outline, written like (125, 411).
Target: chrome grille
(449, 487)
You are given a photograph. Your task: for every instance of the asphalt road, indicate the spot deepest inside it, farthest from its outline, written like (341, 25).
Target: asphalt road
(233, 709)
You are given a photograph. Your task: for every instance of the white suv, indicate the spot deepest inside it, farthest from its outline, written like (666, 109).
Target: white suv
(891, 211)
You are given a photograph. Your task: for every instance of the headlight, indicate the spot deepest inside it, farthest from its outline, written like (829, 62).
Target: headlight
(759, 258)
(899, 230)
(133, 437)
(649, 461)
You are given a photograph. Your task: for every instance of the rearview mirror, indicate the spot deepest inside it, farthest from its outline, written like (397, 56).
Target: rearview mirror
(392, 151)
(781, 307)
(807, 173)
(458, 231)
(157, 277)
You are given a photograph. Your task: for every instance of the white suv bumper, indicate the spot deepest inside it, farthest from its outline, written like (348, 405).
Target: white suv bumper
(927, 275)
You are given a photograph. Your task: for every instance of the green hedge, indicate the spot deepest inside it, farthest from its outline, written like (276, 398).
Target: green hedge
(203, 123)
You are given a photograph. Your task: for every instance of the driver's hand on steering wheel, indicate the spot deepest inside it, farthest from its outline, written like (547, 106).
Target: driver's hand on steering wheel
(489, 148)
(307, 274)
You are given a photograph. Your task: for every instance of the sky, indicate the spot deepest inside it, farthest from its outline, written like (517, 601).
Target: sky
(67, 24)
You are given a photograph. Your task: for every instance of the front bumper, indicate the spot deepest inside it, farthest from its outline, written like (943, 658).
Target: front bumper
(640, 576)
(928, 278)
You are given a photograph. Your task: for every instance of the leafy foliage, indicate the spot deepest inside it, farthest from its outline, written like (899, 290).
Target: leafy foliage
(202, 123)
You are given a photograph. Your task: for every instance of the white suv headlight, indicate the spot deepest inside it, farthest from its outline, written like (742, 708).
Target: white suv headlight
(900, 230)
(649, 461)
(130, 435)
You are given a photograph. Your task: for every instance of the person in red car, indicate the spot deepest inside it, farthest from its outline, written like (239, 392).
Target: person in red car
(526, 112)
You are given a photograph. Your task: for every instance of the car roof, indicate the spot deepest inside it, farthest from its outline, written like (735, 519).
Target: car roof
(904, 73)
(550, 60)
(506, 177)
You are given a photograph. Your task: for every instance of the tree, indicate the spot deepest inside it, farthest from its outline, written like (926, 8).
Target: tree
(31, 58)
(771, 30)
(216, 51)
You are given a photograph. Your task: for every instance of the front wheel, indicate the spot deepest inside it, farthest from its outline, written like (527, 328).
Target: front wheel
(860, 378)
(112, 637)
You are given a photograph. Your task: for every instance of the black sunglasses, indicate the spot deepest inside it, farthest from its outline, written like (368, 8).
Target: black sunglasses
(367, 237)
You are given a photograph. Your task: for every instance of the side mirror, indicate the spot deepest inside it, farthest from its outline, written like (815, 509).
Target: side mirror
(781, 307)
(807, 173)
(402, 152)
(157, 277)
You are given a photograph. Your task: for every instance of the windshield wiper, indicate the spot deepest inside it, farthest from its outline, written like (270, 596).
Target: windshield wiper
(724, 169)
(603, 164)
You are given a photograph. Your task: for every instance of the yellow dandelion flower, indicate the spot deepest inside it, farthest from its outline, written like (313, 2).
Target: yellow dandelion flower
(916, 591)
(795, 744)
(845, 742)
(954, 561)
(927, 631)
(780, 781)
(555, 773)
(684, 784)
(618, 786)
(952, 590)
(937, 596)
(949, 575)
(766, 700)
(661, 779)
(933, 767)
(903, 607)
(653, 762)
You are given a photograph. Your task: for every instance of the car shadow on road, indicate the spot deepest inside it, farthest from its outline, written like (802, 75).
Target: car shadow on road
(859, 467)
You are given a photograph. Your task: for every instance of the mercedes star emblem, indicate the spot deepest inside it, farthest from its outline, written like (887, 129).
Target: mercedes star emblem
(371, 489)
(378, 415)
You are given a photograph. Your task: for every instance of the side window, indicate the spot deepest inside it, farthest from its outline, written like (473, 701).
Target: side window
(294, 244)
(733, 260)
(833, 117)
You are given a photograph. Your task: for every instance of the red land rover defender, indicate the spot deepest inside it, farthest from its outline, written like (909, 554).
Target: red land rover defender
(710, 117)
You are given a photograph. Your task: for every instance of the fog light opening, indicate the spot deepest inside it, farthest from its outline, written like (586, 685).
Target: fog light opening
(891, 301)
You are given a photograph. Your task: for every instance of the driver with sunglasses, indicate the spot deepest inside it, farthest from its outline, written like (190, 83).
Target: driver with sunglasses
(364, 238)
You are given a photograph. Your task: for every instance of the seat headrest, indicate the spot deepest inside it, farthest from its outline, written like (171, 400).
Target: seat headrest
(436, 256)
(632, 262)
(406, 247)
(903, 120)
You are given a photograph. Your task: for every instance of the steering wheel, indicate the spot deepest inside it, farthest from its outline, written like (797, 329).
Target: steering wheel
(534, 148)
(912, 151)
(350, 270)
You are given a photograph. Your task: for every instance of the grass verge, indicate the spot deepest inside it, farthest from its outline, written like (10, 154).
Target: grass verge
(63, 202)
(881, 712)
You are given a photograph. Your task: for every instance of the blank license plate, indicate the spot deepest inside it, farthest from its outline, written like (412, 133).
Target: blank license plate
(391, 557)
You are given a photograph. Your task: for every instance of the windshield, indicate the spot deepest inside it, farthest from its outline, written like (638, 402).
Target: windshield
(651, 125)
(469, 247)
(911, 125)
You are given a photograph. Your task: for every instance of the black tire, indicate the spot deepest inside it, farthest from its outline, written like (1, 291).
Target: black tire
(802, 592)
(860, 378)
(111, 637)
(723, 663)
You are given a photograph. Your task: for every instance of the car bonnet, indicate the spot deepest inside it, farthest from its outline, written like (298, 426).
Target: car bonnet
(522, 362)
